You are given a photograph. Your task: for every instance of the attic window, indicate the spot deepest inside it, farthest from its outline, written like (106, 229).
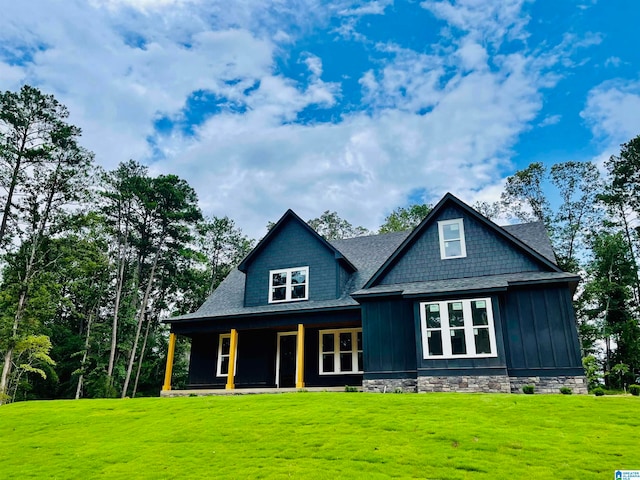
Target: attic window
(288, 285)
(452, 244)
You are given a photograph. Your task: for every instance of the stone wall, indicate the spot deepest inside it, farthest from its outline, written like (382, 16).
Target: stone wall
(577, 384)
(475, 384)
(465, 383)
(390, 385)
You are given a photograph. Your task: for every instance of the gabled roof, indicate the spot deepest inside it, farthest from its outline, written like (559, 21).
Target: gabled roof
(365, 253)
(290, 215)
(450, 199)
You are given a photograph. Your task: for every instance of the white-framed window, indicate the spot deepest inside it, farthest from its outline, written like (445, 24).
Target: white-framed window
(458, 328)
(452, 244)
(224, 353)
(289, 284)
(340, 351)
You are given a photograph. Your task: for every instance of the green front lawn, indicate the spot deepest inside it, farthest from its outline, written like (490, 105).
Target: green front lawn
(323, 435)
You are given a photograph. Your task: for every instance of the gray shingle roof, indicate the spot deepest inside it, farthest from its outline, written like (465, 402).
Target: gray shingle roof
(535, 235)
(467, 284)
(367, 255)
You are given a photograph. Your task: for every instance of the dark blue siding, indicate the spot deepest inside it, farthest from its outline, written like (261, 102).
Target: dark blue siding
(540, 331)
(389, 338)
(202, 364)
(463, 366)
(294, 246)
(487, 254)
(257, 350)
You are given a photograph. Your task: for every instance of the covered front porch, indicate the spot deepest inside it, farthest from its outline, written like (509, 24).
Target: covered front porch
(280, 359)
(250, 391)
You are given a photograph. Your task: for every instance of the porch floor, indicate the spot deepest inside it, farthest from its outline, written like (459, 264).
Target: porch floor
(246, 391)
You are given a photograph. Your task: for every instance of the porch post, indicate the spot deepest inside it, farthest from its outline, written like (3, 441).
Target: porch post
(169, 369)
(232, 359)
(300, 357)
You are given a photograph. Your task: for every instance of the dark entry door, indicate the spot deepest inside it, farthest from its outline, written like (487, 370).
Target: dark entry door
(287, 370)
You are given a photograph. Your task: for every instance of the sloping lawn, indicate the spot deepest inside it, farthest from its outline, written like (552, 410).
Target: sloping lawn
(323, 435)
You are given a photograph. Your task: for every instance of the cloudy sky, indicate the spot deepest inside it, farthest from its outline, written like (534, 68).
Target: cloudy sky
(345, 105)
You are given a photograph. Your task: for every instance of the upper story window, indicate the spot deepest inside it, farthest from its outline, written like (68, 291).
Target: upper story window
(452, 244)
(459, 328)
(289, 284)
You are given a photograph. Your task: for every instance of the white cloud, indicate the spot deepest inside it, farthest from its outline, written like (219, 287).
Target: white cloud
(550, 120)
(440, 119)
(612, 110)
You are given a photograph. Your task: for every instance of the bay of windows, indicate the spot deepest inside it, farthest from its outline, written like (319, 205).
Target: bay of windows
(341, 351)
(458, 328)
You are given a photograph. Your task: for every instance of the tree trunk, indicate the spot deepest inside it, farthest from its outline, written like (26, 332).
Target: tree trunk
(142, 350)
(84, 357)
(114, 325)
(143, 308)
(8, 357)
(12, 186)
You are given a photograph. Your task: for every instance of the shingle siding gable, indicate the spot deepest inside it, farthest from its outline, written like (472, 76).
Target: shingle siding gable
(487, 254)
(294, 246)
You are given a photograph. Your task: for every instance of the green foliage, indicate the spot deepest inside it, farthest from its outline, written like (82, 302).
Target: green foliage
(528, 389)
(634, 390)
(332, 227)
(566, 391)
(598, 391)
(405, 218)
(322, 435)
(350, 388)
(592, 371)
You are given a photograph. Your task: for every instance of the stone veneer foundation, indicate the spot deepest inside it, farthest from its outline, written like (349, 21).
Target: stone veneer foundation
(577, 384)
(390, 385)
(475, 384)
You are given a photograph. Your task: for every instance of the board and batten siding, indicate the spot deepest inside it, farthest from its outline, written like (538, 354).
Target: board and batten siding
(540, 332)
(487, 254)
(294, 247)
(389, 339)
(463, 365)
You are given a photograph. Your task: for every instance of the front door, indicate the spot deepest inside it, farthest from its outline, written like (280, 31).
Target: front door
(286, 360)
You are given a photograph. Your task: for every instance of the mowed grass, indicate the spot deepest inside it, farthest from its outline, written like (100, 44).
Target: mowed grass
(324, 436)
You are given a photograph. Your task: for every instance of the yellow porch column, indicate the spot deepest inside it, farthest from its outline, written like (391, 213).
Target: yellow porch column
(300, 357)
(169, 370)
(232, 359)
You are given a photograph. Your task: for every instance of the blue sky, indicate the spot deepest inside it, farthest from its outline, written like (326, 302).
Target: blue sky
(352, 106)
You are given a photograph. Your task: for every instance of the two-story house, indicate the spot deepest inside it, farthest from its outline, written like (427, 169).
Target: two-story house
(457, 304)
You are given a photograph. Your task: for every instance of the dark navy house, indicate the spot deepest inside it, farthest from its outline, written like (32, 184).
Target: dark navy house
(457, 304)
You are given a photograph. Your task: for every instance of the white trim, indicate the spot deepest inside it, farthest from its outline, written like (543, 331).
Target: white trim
(288, 286)
(336, 351)
(280, 335)
(468, 328)
(463, 247)
(220, 356)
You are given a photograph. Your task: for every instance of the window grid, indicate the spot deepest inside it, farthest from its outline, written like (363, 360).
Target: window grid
(340, 351)
(458, 329)
(289, 285)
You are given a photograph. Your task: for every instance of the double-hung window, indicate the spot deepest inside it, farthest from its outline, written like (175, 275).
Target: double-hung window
(341, 351)
(224, 353)
(452, 242)
(458, 328)
(289, 284)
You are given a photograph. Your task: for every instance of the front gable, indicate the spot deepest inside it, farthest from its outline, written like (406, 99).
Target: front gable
(289, 248)
(485, 249)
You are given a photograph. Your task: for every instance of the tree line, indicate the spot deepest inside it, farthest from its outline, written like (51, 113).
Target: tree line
(92, 259)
